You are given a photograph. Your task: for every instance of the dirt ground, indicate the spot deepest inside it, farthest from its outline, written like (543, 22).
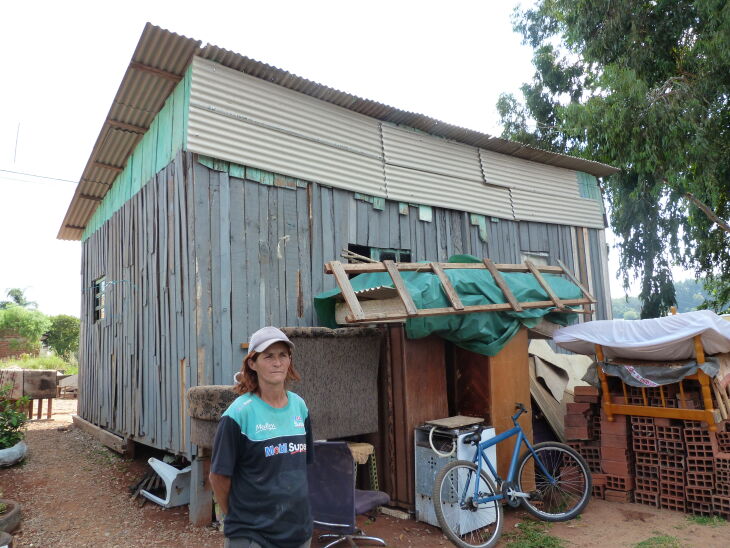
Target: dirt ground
(74, 493)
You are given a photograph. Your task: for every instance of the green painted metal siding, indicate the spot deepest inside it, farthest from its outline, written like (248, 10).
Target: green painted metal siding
(164, 139)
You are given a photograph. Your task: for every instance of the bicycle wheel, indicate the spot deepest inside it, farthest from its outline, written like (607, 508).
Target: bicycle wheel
(465, 524)
(562, 499)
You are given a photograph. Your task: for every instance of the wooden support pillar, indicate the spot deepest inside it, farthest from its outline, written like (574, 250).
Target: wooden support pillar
(201, 494)
(50, 408)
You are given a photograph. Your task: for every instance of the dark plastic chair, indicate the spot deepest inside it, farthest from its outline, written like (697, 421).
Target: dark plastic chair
(334, 500)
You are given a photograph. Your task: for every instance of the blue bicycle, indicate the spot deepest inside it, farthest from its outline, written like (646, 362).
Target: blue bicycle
(551, 481)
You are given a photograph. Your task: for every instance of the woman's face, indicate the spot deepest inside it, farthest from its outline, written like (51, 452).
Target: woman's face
(272, 365)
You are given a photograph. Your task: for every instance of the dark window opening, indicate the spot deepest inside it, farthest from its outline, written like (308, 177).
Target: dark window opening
(381, 253)
(99, 298)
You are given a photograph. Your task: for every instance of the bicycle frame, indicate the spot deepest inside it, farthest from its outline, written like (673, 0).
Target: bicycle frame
(480, 456)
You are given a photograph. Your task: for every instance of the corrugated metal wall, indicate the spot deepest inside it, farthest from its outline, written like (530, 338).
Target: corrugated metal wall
(199, 259)
(243, 119)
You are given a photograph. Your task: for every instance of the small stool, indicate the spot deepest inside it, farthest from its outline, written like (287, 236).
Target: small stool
(364, 453)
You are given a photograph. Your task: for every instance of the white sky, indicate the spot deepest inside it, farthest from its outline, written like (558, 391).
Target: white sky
(62, 62)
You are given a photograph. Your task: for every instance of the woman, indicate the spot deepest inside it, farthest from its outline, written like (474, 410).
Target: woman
(259, 465)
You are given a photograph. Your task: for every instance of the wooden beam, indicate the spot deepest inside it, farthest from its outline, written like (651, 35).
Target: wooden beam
(75, 227)
(400, 287)
(502, 284)
(337, 268)
(372, 309)
(112, 441)
(549, 290)
(354, 268)
(90, 197)
(127, 127)
(157, 72)
(575, 280)
(84, 180)
(448, 288)
(107, 166)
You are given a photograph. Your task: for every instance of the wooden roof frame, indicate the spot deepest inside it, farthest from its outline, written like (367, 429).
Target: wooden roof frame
(359, 315)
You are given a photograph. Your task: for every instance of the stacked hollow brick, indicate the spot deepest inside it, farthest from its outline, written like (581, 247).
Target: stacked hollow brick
(673, 464)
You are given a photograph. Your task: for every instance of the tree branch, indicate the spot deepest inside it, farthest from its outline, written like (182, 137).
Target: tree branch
(707, 211)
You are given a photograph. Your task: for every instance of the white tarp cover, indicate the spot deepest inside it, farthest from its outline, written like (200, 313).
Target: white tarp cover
(667, 338)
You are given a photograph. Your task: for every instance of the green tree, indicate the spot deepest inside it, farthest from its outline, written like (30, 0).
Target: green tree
(17, 298)
(63, 335)
(643, 86)
(28, 325)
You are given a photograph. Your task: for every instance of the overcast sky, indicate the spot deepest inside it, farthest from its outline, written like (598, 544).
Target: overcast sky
(62, 63)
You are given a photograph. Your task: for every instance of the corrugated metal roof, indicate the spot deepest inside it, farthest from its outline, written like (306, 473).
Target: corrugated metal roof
(161, 58)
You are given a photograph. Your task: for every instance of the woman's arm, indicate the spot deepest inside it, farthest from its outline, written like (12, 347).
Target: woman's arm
(221, 488)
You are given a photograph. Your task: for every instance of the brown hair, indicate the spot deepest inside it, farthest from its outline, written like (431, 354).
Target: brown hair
(247, 380)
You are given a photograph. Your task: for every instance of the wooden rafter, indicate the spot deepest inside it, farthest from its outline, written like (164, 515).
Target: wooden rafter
(127, 127)
(157, 72)
(403, 307)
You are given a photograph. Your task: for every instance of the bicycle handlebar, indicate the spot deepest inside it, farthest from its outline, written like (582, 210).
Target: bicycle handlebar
(520, 409)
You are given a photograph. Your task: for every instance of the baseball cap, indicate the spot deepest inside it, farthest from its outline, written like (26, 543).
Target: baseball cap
(265, 337)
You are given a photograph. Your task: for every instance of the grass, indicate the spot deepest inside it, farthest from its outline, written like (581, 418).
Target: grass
(661, 541)
(3, 507)
(710, 521)
(27, 361)
(532, 534)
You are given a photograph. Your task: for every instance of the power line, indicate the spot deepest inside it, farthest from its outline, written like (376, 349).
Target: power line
(38, 176)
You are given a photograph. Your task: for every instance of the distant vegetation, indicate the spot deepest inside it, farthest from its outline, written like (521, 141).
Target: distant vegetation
(690, 296)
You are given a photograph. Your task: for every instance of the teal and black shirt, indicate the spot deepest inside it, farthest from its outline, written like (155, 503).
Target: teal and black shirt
(265, 452)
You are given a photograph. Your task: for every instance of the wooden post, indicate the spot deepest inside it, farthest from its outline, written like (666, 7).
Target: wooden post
(604, 384)
(50, 408)
(201, 495)
(40, 409)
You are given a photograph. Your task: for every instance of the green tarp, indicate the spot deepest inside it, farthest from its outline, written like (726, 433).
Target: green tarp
(481, 332)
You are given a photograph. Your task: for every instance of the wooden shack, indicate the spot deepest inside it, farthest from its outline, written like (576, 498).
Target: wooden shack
(218, 188)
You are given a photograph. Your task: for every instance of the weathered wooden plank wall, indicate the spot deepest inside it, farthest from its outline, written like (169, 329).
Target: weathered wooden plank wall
(199, 259)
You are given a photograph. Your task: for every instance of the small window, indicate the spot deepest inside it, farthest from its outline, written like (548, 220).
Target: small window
(381, 253)
(538, 258)
(99, 287)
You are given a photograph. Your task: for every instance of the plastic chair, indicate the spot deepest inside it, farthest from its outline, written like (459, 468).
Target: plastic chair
(177, 484)
(334, 500)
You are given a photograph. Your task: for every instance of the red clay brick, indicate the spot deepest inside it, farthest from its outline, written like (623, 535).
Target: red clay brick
(643, 497)
(723, 441)
(646, 471)
(671, 461)
(722, 476)
(585, 394)
(672, 503)
(699, 508)
(620, 483)
(698, 494)
(577, 432)
(722, 461)
(598, 479)
(576, 420)
(646, 445)
(700, 479)
(609, 440)
(697, 435)
(599, 491)
(578, 408)
(721, 505)
(618, 427)
(671, 489)
(700, 464)
(617, 496)
(614, 453)
(670, 446)
(616, 468)
(722, 490)
(646, 459)
(672, 475)
(673, 433)
(648, 485)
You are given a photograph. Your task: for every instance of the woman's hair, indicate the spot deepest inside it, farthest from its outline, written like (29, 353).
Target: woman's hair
(247, 380)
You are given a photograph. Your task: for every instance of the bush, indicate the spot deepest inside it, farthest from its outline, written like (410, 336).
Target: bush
(26, 361)
(28, 325)
(12, 418)
(63, 336)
